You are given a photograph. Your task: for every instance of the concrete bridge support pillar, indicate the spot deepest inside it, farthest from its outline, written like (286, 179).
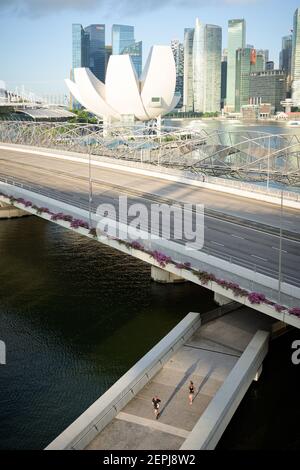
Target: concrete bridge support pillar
(160, 275)
(221, 299)
(7, 211)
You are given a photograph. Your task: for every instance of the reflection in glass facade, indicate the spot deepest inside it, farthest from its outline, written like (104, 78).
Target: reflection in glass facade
(236, 40)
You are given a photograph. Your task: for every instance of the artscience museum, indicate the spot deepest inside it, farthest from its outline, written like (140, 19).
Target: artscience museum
(124, 95)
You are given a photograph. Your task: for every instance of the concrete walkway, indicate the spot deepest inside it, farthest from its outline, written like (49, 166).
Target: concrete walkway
(206, 359)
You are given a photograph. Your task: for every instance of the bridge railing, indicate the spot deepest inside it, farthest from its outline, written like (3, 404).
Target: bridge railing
(250, 276)
(249, 155)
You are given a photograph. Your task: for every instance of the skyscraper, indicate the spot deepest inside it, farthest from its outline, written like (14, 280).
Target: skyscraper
(236, 40)
(264, 53)
(178, 53)
(123, 42)
(213, 57)
(122, 36)
(223, 77)
(108, 53)
(96, 34)
(268, 87)
(198, 66)
(207, 54)
(188, 95)
(245, 64)
(135, 50)
(296, 59)
(80, 54)
(80, 47)
(285, 58)
(270, 65)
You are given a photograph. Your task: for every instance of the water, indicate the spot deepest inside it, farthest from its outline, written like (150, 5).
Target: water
(75, 316)
(270, 127)
(269, 415)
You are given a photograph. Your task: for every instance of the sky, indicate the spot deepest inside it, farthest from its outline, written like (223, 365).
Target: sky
(36, 35)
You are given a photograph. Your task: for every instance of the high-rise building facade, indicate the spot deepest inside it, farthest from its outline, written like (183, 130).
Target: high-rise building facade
(80, 54)
(80, 47)
(296, 59)
(123, 42)
(178, 53)
(207, 55)
(236, 40)
(198, 66)
(108, 53)
(213, 58)
(135, 50)
(122, 36)
(265, 53)
(270, 65)
(97, 54)
(285, 56)
(223, 77)
(245, 64)
(188, 94)
(268, 87)
(285, 59)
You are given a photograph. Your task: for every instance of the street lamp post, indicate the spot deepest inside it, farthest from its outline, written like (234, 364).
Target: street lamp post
(90, 188)
(280, 250)
(268, 176)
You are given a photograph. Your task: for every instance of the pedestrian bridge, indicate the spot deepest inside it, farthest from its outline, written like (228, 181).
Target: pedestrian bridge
(222, 353)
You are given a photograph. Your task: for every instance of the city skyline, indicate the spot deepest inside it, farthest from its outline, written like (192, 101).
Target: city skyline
(51, 57)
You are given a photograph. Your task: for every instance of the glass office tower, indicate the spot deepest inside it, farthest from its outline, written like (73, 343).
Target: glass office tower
(207, 55)
(188, 94)
(122, 36)
(236, 40)
(268, 87)
(296, 59)
(245, 64)
(135, 50)
(123, 42)
(213, 58)
(80, 47)
(198, 66)
(97, 51)
(285, 59)
(178, 53)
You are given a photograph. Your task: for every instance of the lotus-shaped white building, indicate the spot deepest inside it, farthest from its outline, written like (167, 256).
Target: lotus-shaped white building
(123, 94)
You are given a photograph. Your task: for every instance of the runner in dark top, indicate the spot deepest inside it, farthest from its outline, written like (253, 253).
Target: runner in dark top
(156, 401)
(191, 392)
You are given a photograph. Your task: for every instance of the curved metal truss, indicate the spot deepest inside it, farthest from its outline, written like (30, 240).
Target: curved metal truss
(244, 155)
